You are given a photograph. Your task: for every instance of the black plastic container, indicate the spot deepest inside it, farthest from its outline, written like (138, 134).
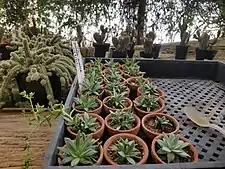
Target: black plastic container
(202, 54)
(195, 83)
(4, 53)
(130, 53)
(35, 86)
(119, 54)
(155, 51)
(146, 55)
(181, 52)
(101, 49)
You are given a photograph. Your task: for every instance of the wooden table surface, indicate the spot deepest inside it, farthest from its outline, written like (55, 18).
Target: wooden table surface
(13, 130)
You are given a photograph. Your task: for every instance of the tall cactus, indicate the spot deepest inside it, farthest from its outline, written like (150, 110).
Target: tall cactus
(204, 40)
(2, 31)
(148, 42)
(121, 43)
(38, 57)
(184, 35)
(101, 38)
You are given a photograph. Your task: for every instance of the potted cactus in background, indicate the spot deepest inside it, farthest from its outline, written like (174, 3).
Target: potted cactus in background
(41, 64)
(4, 52)
(181, 50)
(100, 46)
(132, 33)
(86, 51)
(121, 45)
(205, 51)
(148, 44)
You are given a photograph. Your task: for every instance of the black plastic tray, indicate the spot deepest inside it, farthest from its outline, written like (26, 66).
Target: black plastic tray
(196, 83)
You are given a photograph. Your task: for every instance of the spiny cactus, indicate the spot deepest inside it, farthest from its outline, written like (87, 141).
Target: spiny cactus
(204, 40)
(184, 35)
(38, 57)
(148, 42)
(101, 38)
(121, 43)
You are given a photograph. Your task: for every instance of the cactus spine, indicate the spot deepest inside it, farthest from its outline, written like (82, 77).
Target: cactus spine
(148, 42)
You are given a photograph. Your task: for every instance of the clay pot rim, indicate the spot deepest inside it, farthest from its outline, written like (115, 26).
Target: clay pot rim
(160, 100)
(137, 120)
(99, 119)
(159, 91)
(100, 158)
(152, 115)
(114, 138)
(153, 150)
(83, 111)
(114, 109)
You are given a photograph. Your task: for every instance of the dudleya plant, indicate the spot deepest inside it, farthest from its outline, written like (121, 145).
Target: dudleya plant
(162, 121)
(148, 42)
(126, 151)
(86, 103)
(204, 40)
(121, 120)
(147, 102)
(83, 150)
(149, 88)
(38, 56)
(101, 38)
(80, 122)
(172, 148)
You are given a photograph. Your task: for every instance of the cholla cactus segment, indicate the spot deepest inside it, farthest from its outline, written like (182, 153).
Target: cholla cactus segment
(148, 42)
(121, 43)
(38, 57)
(101, 38)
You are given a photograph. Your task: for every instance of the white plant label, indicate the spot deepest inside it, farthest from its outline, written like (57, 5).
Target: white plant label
(79, 62)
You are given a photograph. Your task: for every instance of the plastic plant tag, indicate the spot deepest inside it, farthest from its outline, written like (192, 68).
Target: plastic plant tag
(79, 63)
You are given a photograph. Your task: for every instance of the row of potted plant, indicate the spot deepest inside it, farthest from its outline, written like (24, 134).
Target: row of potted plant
(85, 123)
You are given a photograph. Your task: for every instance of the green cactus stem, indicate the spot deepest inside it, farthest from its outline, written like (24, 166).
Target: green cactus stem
(148, 42)
(101, 38)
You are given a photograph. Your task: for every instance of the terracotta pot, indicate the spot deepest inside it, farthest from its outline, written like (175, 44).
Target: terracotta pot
(128, 105)
(99, 161)
(158, 160)
(112, 131)
(96, 135)
(100, 96)
(132, 86)
(160, 92)
(95, 111)
(107, 93)
(151, 134)
(114, 138)
(142, 113)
